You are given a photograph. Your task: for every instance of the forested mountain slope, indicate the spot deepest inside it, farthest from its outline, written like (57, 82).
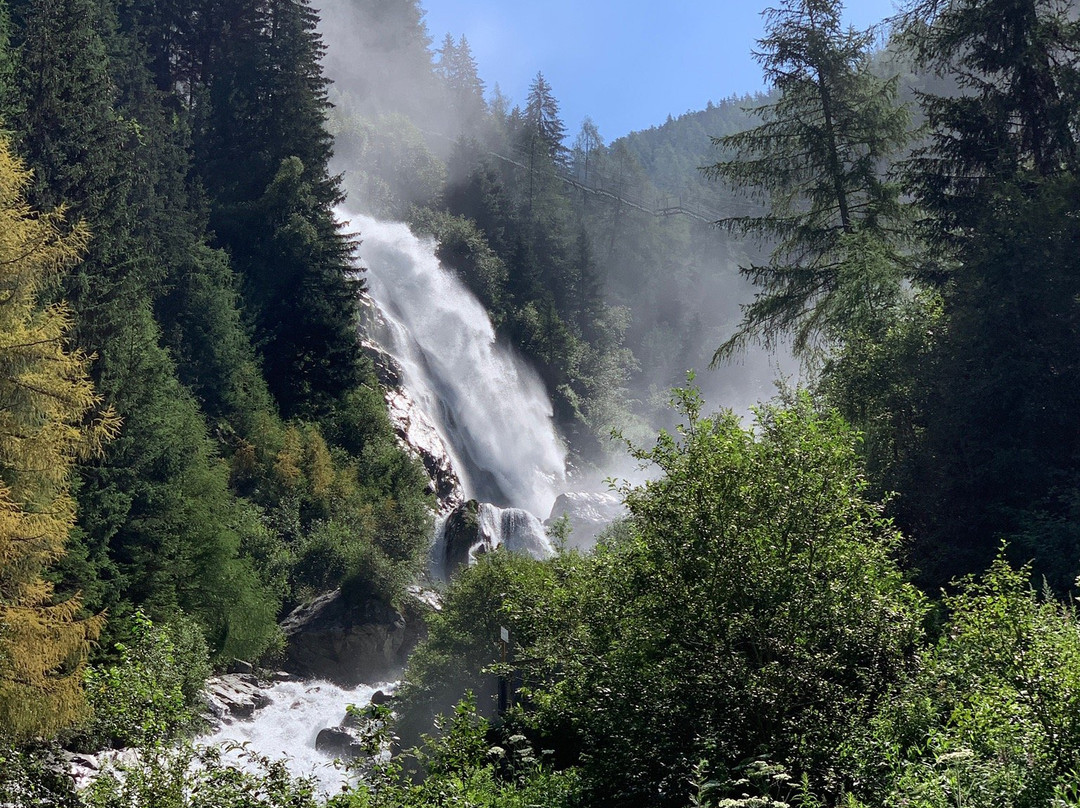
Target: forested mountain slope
(215, 299)
(860, 598)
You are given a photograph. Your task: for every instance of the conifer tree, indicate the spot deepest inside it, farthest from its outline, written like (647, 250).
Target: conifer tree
(544, 129)
(45, 400)
(998, 449)
(263, 149)
(158, 525)
(816, 161)
(458, 69)
(588, 147)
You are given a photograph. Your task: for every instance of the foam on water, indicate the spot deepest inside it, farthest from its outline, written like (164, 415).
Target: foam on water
(286, 729)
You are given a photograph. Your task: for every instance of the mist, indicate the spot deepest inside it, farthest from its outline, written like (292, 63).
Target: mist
(670, 283)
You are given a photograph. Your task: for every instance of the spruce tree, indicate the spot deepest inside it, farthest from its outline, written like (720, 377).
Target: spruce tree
(158, 526)
(816, 161)
(465, 89)
(262, 150)
(997, 448)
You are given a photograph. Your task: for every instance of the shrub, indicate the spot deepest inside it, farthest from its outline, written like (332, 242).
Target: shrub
(152, 693)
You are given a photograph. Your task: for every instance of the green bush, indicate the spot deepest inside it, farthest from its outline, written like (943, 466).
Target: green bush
(34, 775)
(993, 718)
(190, 777)
(152, 693)
(535, 600)
(751, 608)
(466, 764)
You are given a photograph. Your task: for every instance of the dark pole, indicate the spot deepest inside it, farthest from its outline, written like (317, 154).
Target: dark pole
(504, 678)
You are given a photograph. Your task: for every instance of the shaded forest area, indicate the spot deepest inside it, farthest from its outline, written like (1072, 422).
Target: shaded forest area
(862, 598)
(179, 158)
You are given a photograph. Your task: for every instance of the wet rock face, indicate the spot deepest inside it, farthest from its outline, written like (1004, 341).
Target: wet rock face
(588, 513)
(349, 641)
(415, 431)
(420, 437)
(462, 537)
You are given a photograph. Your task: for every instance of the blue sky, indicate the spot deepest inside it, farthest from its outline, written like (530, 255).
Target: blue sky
(626, 64)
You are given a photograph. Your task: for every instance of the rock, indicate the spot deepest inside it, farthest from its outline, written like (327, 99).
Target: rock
(233, 695)
(589, 514)
(360, 732)
(84, 769)
(415, 431)
(239, 666)
(339, 742)
(461, 537)
(429, 598)
(350, 640)
(419, 436)
(379, 698)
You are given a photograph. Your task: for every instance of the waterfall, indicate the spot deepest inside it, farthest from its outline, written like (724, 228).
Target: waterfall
(493, 414)
(517, 530)
(491, 408)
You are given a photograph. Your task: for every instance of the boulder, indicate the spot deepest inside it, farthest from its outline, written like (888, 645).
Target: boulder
(588, 513)
(379, 698)
(85, 768)
(350, 640)
(424, 597)
(339, 742)
(461, 541)
(360, 733)
(234, 695)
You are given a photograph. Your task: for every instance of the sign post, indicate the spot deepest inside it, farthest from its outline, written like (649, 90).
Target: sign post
(504, 676)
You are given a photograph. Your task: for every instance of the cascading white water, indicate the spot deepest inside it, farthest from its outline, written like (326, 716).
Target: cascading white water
(516, 530)
(490, 406)
(287, 728)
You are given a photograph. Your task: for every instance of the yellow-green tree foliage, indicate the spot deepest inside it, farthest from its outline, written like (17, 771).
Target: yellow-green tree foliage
(47, 422)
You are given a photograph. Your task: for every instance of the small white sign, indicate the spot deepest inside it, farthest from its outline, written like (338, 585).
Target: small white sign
(504, 634)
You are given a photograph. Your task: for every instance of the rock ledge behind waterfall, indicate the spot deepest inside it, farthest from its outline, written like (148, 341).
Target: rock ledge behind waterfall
(589, 514)
(415, 431)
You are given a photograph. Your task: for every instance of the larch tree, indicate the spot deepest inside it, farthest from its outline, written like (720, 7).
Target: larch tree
(49, 417)
(588, 146)
(816, 161)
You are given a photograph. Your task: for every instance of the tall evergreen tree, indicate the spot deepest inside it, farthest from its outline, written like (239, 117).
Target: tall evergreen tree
(998, 453)
(544, 129)
(1015, 115)
(157, 523)
(816, 160)
(588, 147)
(458, 69)
(262, 149)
